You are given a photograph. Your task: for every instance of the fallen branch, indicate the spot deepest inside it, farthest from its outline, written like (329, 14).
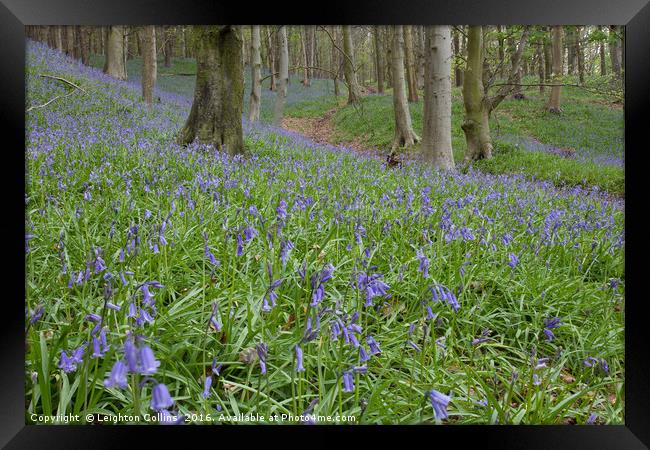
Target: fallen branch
(58, 96)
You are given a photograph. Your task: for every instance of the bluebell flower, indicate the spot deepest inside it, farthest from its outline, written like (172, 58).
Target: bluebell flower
(117, 377)
(439, 402)
(439, 292)
(206, 386)
(262, 350)
(374, 347)
(514, 260)
(550, 324)
(160, 398)
(281, 210)
(213, 318)
(149, 363)
(37, 314)
(348, 382)
(536, 380)
(363, 355)
(299, 366)
(67, 363)
(592, 419)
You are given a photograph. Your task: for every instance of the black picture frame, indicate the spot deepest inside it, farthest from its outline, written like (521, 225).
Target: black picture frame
(15, 14)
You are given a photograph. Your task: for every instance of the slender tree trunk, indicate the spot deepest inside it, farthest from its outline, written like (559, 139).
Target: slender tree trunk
(114, 65)
(614, 51)
(580, 55)
(182, 37)
(554, 101)
(502, 53)
(336, 64)
(149, 68)
(69, 38)
(603, 62)
(58, 38)
(379, 58)
(404, 134)
(305, 60)
(169, 46)
(271, 57)
(84, 40)
(216, 114)
(349, 69)
(458, 71)
(541, 65)
(421, 40)
(571, 50)
(436, 128)
(256, 75)
(476, 124)
(283, 78)
(410, 64)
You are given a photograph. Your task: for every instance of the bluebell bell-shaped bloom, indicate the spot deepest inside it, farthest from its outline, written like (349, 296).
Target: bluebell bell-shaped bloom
(67, 363)
(348, 382)
(131, 354)
(160, 398)
(299, 366)
(439, 402)
(374, 346)
(363, 355)
(513, 260)
(423, 265)
(206, 386)
(148, 362)
(117, 377)
(262, 350)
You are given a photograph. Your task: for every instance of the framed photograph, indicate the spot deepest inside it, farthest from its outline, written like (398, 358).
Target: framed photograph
(375, 218)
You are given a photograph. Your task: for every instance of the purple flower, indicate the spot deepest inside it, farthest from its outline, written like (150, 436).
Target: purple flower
(117, 376)
(439, 402)
(536, 380)
(590, 361)
(299, 366)
(374, 347)
(206, 386)
(262, 350)
(439, 292)
(149, 363)
(67, 363)
(37, 314)
(363, 355)
(592, 419)
(514, 260)
(550, 324)
(131, 354)
(424, 264)
(281, 210)
(93, 317)
(213, 318)
(160, 398)
(348, 382)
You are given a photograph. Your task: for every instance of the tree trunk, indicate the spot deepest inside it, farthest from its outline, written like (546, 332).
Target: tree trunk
(404, 134)
(256, 75)
(410, 63)
(541, 65)
(69, 39)
(283, 77)
(421, 40)
(571, 50)
(502, 53)
(548, 56)
(336, 64)
(436, 128)
(114, 65)
(169, 46)
(305, 59)
(379, 60)
(458, 71)
(349, 69)
(580, 56)
(554, 102)
(84, 38)
(476, 124)
(149, 68)
(614, 51)
(603, 62)
(58, 38)
(271, 58)
(216, 114)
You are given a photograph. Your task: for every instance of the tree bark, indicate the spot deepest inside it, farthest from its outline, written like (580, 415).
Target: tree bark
(548, 56)
(379, 59)
(149, 68)
(58, 38)
(409, 60)
(69, 39)
(169, 46)
(541, 65)
(114, 65)
(476, 124)
(216, 114)
(349, 69)
(603, 62)
(614, 51)
(580, 56)
(283, 77)
(554, 102)
(436, 131)
(404, 134)
(336, 65)
(271, 58)
(502, 53)
(84, 39)
(305, 59)
(458, 71)
(256, 75)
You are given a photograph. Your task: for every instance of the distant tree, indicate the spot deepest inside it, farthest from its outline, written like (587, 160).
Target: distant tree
(283, 77)
(169, 45)
(305, 58)
(436, 127)
(554, 102)
(409, 60)
(615, 50)
(149, 68)
(216, 114)
(271, 57)
(404, 134)
(458, 70)
(256, 75)
(349, 66)
(336, 65)
(379, 59)
(115, 58)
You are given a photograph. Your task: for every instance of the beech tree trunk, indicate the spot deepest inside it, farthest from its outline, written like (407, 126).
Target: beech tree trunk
(404, 134)
(554, 102)
(458, 70)
(84, 43)
(436, 131)
(421, 46)
(476, 124)
(283, 77)
(256, 75)
(336, 64)
(58, 38)
(548, 56)
(603, 62)
(409, 59)
(305, 59)
(379, 59)
(271, 57)
(580, 56)
(169, 46)
(216, 114)
(349, 69)
(541, 65)
(69, 40)
(614, 51)
(149, 68)
(114, 65)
